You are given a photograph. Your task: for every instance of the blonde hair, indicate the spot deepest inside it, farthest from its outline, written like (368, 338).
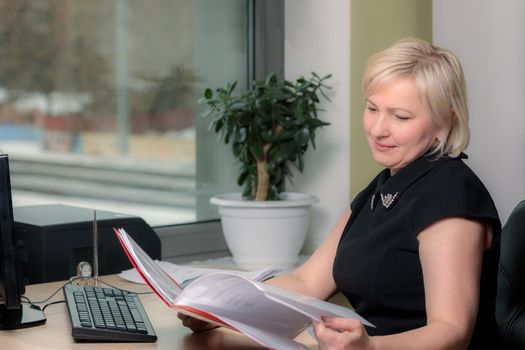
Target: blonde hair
(440, 80)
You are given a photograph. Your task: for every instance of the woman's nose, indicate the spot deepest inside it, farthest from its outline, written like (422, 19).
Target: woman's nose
(380, 127)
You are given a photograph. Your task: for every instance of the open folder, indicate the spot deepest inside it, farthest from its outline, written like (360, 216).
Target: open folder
(271, 316)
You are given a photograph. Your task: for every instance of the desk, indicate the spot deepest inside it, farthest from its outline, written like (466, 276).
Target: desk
(56, 333)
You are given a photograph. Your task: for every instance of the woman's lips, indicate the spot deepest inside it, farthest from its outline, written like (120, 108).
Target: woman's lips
(382, 147)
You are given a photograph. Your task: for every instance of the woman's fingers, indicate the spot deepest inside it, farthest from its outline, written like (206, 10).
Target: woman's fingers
(342, 333)
(195, 324)
(342, 324)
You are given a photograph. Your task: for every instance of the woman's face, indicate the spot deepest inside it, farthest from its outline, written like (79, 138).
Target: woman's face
(398, 127)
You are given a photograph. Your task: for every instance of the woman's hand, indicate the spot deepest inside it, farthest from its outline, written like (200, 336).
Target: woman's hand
(342, 333)
(195, 324)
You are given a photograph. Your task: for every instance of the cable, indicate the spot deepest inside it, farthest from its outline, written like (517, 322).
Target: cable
(56, 291)
(71, 280)
(52, 303)
(33, 304)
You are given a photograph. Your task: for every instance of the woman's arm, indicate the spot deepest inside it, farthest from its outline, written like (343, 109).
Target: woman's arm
(314, 277)
(451, 253)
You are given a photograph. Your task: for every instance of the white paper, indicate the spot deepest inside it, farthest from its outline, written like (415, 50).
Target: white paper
(270, 340)
(184, 274)
(312, 307)
(233, 297)
(269, 315)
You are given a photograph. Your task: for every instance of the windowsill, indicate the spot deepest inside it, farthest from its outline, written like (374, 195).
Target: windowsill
(227, 263)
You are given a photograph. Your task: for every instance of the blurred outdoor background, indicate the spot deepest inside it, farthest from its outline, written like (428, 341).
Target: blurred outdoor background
(98, 100)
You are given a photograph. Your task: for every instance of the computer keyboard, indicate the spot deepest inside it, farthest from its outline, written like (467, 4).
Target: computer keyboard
(107, 314)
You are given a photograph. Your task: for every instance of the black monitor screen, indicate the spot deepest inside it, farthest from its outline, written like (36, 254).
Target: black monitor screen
(11, 284)
(13, 314)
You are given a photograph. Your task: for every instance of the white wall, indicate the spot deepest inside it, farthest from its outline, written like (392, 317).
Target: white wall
(489, 38)
(317, 38)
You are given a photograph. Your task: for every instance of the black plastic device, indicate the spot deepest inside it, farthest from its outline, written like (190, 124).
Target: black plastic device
(56, 238)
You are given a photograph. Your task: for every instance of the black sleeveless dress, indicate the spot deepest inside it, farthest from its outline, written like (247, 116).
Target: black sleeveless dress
(377, 264)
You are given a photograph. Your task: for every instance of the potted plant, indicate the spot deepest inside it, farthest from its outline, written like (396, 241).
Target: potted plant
(269, 128)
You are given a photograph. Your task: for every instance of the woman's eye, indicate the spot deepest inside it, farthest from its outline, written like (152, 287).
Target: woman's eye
(401, 117)
(371, 109)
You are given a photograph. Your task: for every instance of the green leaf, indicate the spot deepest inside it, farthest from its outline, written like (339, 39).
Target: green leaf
(245, 118)
(300, 162)
(261, 114)
(231, 87)
(291, 150)
(242, 178)
(237, 149)
(267, 135)
(241, 135)
(257, 150)
(271, 79)
(208, 93)
(303, 136)
(315, 123)
(218, 125)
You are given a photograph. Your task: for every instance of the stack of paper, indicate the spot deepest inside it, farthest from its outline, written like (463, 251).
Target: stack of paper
(184, 274)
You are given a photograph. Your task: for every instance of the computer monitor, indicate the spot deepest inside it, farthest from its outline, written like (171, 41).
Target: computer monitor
(13, 313)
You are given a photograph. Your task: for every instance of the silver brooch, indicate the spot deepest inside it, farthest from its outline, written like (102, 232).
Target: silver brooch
(388, 199)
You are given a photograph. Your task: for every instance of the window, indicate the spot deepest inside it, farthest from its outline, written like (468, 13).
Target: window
(98, 99)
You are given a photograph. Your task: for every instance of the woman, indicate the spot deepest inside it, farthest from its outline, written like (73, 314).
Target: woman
(416, 254)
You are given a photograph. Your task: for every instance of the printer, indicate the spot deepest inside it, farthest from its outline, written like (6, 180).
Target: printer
(54, 239)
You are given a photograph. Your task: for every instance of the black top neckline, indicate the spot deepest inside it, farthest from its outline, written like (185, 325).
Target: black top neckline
(390, 187)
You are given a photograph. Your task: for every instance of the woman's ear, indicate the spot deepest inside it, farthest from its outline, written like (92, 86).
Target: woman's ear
(453, 119)
(445, 131)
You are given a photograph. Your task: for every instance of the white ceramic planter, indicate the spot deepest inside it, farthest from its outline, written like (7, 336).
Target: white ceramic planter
(269, 233)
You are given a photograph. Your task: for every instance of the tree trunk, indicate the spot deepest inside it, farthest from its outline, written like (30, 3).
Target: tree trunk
(263, 178)
(263, 181)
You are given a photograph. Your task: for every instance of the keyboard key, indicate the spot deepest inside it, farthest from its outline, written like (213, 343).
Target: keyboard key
(136, 315)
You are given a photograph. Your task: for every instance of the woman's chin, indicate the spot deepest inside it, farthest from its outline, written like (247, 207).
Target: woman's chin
(382, 160)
